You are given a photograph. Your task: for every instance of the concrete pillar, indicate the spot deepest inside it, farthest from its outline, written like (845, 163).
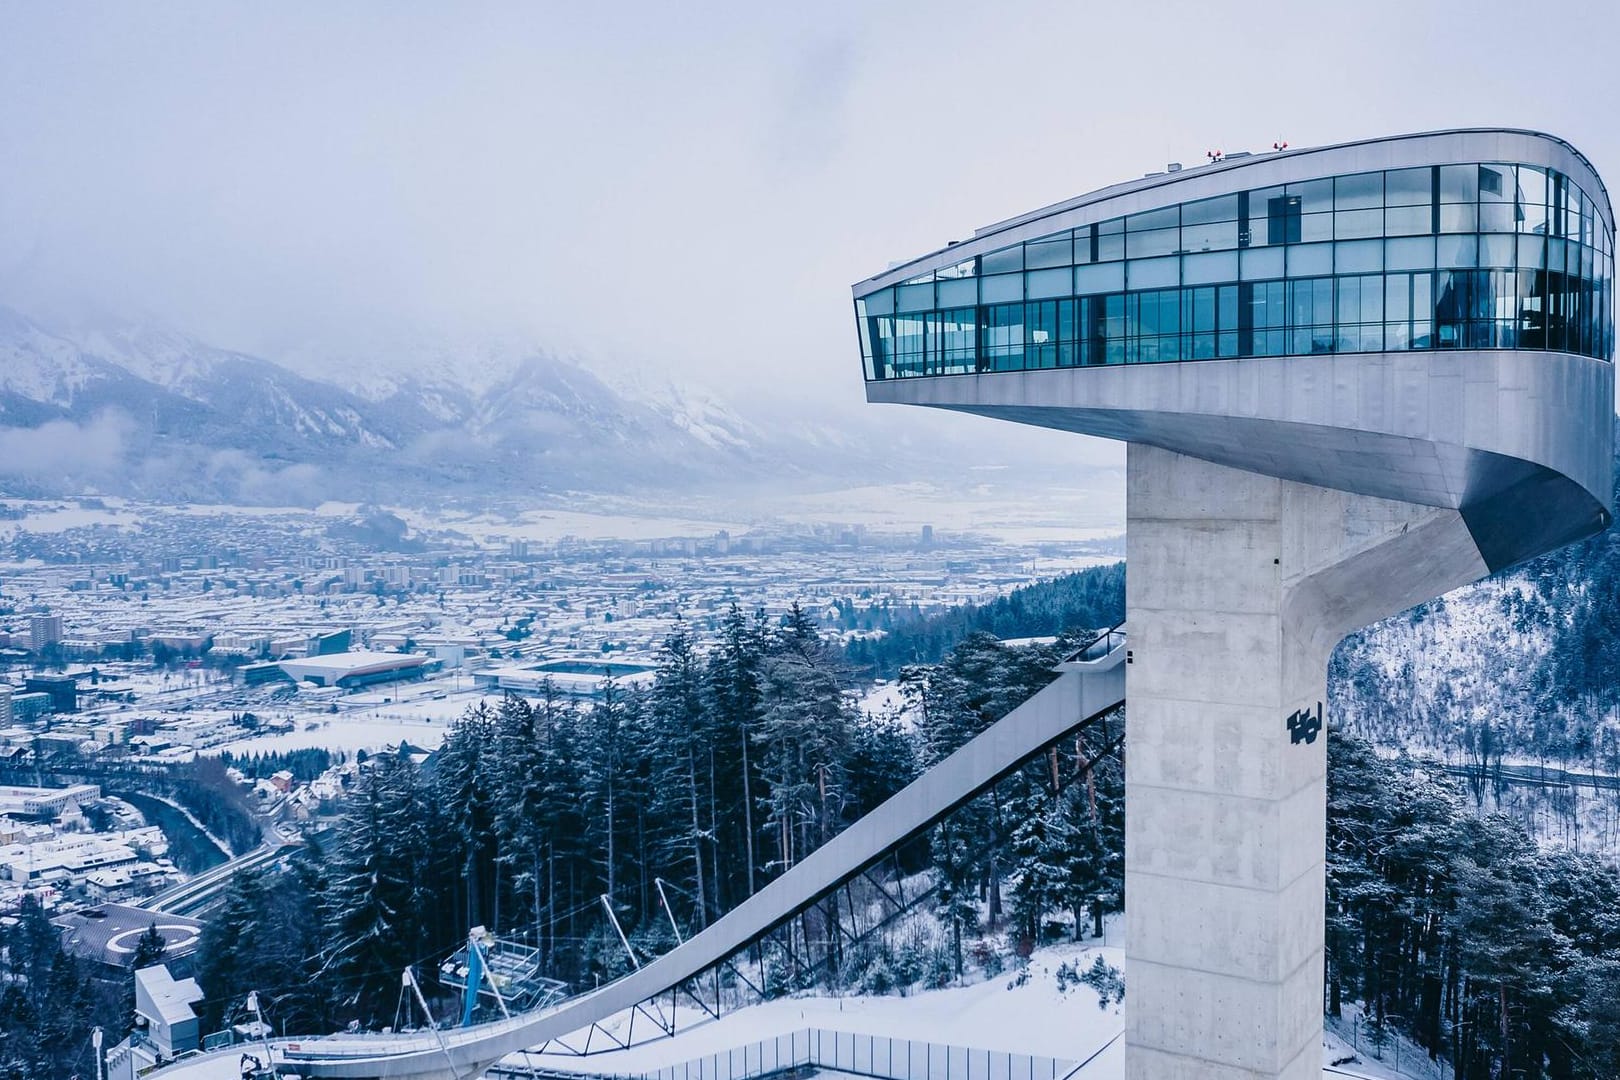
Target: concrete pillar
(1239, 586)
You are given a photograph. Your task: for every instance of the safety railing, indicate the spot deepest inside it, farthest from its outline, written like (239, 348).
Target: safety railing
(1107, 641)
(877, 1056)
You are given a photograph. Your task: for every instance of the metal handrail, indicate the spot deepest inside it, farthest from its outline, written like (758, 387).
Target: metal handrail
(1100, 646)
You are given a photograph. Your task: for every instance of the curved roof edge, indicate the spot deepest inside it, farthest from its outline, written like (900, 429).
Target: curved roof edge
(1009, 230)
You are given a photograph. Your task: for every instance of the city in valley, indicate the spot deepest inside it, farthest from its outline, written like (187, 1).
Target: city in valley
(144, 635)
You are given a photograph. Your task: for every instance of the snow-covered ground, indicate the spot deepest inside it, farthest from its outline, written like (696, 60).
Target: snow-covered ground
(1062, 515)
(1087, 511)
(1400, 1059)
(885, 701)
(346, 732)
(1035, 1018)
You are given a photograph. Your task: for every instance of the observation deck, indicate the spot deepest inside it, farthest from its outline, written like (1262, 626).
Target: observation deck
(1427, 318)
(1350, 378)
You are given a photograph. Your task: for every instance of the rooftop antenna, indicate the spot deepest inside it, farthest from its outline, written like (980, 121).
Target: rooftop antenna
(1214, 155)
(1280, 145)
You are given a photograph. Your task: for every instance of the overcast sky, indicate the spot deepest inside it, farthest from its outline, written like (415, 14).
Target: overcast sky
(684, 187)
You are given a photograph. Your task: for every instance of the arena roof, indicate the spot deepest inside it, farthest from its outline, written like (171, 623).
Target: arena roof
(329, 669)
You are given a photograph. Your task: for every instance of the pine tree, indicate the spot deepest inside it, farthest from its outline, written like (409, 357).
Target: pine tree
(383, 888)
(563, 823)
(681, 727)
(1095, 858)
(882, 760)
(954, 904)
(45, 1006)
(609, 758)
(806, 734)
(1042, 842)
(733, 698)
(520, 804)
(1597, 984)
(465, 782)
(227, 963)
(149, 949)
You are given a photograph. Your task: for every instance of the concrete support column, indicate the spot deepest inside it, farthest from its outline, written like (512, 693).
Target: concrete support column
(1239, 586)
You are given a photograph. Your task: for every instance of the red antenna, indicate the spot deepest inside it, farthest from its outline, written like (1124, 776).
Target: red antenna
(1214, 155)
(1280, 145)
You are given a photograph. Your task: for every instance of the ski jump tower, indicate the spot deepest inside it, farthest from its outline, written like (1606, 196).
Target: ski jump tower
(1350, 379)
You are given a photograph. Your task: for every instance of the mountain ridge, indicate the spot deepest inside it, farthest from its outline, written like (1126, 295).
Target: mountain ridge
(172, 417)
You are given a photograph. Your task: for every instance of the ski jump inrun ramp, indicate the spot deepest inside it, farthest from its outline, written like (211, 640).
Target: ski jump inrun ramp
(1085, 689)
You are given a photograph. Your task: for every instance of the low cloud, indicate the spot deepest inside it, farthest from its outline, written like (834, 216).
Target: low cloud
(65, 449)
(241, 477)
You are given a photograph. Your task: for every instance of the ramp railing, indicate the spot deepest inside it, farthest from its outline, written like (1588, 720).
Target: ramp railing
(876, 1056)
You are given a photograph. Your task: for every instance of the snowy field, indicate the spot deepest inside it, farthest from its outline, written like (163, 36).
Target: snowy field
(1058, 515)
(416, 713)
(346, 733)
(58, 515)
(885, 701)
(371, 722)
(987, 508)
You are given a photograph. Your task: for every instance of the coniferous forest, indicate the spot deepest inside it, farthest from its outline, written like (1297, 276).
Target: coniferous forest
(1456, 930)
(738, 761)
(1091, 598)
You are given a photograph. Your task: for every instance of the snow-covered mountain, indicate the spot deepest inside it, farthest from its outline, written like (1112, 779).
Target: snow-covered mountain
(154, 412)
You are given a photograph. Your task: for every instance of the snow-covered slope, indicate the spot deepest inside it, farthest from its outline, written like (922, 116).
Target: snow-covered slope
(1425, 679)
(1523, 666)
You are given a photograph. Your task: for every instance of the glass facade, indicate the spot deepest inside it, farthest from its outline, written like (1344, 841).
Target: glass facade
(1486, 256)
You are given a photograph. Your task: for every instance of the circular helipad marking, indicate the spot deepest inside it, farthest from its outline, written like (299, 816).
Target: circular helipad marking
(175, 935)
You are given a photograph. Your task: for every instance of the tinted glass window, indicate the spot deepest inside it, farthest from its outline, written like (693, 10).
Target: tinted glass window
(1314, 194)
(1058, 252)
(1409, 187)
(1154, 219)
(1359, 192)
(1220, 208)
